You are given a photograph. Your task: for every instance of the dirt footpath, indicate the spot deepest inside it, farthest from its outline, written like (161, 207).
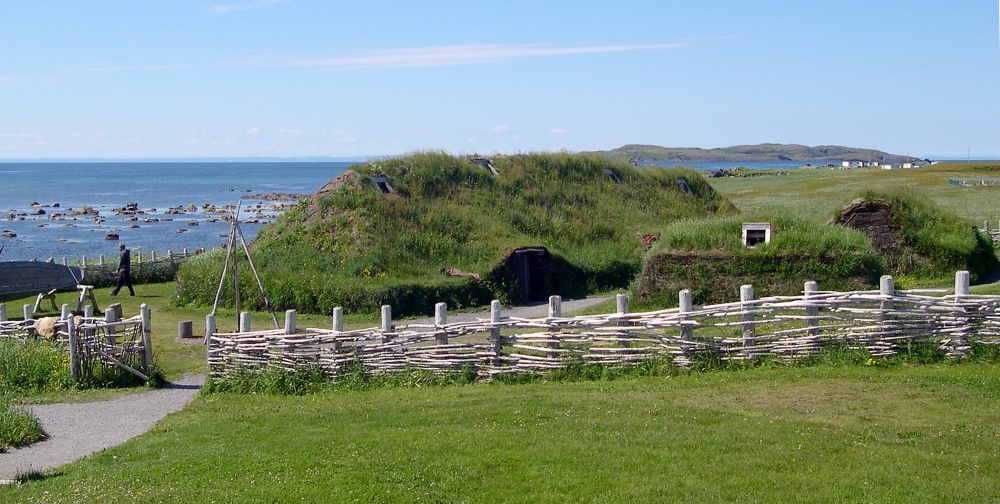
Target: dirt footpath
(79, 429)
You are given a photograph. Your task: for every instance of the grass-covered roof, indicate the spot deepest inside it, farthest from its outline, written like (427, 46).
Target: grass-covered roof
(449, 212)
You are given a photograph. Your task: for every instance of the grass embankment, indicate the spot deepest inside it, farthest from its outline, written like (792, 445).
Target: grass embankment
(828, 433)
(934, 217)
(708, 257)
(357, 248)
(937, 243)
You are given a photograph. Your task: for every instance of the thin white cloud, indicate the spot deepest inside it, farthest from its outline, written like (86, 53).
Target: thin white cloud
(253, 131)
(472, 54)
(289, 132)
(227, 8)
(499, 129)
(341, 136)
(558, 131)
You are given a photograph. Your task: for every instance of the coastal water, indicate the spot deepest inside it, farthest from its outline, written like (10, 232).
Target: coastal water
(155, 187)
(728, 165)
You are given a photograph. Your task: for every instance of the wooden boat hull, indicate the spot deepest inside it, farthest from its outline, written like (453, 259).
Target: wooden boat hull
(21, 279)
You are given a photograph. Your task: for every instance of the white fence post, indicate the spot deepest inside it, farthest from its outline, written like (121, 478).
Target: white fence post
(210, 329)
(621, 305)
(812, 311)
(26, 310)
(3, 312)
(64, 312)
(244, 322)
(88, 311)
(386, 318)
(685, 306)
(338, 319)
(441, 320)
(289, 321)
(961, 283)
(74, 357)
(495, 337)
(746, 306)
(555, 306)
(887, 287)
(147, 337)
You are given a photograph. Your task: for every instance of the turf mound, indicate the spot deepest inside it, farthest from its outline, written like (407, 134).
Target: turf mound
(708, 257)
(874, 220)
(916, 238)
(390, 231)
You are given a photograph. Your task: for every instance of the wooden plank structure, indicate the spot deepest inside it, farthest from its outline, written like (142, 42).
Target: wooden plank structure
(97, 347)
(789, 327)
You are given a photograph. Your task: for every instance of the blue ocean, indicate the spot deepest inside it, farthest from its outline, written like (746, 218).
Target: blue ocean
(154, 187)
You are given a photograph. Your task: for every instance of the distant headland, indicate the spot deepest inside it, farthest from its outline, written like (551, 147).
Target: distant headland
(760, 152)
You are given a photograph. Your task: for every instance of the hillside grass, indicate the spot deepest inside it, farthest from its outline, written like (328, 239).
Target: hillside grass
(707, 257)
(359, 249)
(936, 218)
(828, 433)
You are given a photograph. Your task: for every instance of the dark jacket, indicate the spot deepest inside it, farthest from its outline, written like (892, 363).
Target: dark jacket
(125, 262)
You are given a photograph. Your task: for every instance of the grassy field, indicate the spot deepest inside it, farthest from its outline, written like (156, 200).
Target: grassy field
(820, 434)
(817, 194)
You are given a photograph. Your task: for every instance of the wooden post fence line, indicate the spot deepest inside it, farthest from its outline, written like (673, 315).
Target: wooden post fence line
(96, 346)
(882, 322)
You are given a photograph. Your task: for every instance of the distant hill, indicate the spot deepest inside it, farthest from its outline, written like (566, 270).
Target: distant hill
(760, 152)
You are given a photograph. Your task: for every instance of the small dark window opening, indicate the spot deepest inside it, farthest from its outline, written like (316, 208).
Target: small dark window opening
(613, 176)
(683, 184)
(755, 236)
(486, 163)
(382, 184)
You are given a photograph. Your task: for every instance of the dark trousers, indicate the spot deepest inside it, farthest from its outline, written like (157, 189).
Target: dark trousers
(124, 280)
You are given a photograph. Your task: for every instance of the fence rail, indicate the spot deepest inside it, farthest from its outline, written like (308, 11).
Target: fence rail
(790, 327)
(98, 348)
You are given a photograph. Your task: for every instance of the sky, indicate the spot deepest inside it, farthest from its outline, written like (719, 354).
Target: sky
(299, 78)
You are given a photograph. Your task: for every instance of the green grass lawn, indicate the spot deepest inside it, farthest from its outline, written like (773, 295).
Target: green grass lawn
(816, 194)
(820, 434)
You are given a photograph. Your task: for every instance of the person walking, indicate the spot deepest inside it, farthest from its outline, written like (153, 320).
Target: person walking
(124, 271)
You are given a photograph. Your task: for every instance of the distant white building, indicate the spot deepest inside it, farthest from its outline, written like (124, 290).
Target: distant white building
(852, 163)
(886, 166)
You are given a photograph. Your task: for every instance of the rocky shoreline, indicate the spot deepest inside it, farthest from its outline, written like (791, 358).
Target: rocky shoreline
(56, 223)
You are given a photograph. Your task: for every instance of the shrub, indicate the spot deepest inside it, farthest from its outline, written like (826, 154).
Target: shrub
(17, 427)
(32, 366)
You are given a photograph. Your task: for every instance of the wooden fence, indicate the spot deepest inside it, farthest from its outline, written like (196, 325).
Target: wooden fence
(98, 348)
(790, 327)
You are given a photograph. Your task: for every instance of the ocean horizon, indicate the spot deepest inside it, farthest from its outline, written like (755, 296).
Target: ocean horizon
(60, 188)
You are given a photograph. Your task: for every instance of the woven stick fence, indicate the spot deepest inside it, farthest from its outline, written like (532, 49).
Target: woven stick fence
(883, 322)
(99, 349)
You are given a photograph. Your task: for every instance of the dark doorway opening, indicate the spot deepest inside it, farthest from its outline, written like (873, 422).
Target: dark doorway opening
(530, 266)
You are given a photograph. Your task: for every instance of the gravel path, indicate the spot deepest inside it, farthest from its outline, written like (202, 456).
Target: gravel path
(78, 429)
